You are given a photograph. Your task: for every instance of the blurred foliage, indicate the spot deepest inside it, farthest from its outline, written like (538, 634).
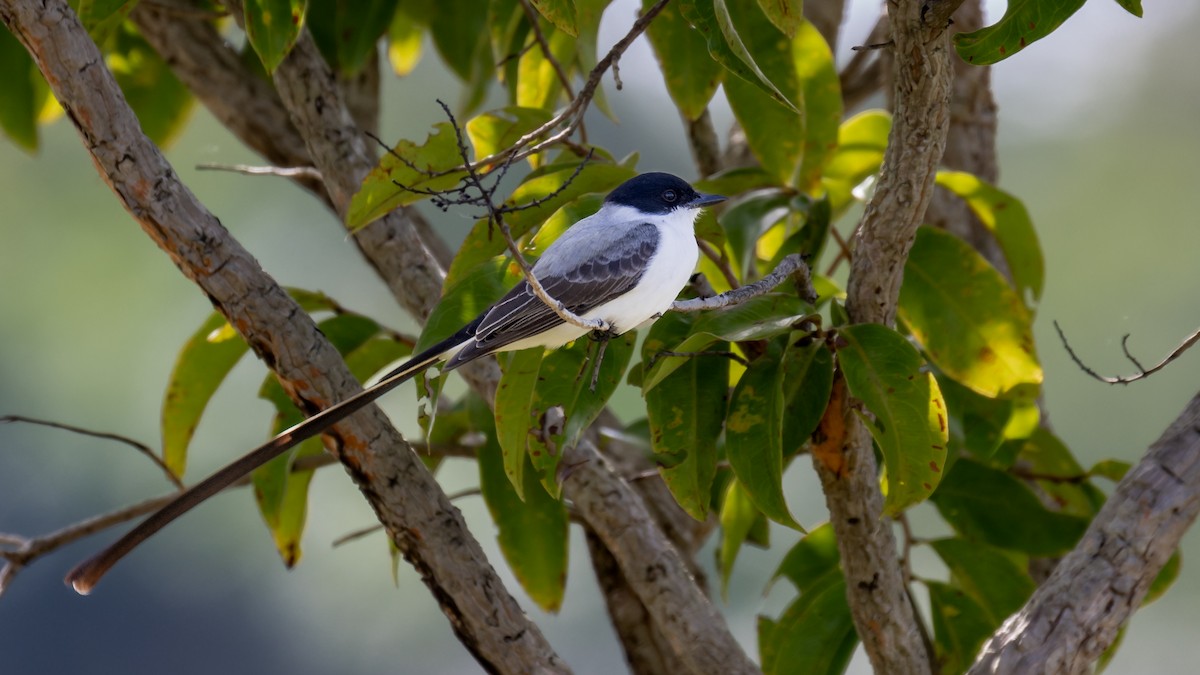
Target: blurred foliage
(732, 396)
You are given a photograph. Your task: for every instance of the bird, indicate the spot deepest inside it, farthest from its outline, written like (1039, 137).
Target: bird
(623, 265)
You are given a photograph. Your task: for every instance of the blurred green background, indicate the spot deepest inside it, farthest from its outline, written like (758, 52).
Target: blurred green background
(1099, 137)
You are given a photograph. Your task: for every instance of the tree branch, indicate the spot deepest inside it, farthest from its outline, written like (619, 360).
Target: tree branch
(422, 522)
(1075, 615)
(791, 266)
(877, 594)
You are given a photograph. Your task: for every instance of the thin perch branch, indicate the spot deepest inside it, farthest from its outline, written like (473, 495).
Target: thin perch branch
(791, 266)
(1142, 373)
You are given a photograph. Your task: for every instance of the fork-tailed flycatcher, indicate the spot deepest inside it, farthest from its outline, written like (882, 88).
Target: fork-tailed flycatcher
(624, 265)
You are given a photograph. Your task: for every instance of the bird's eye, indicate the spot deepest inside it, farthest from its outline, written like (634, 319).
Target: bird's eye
(670, 196)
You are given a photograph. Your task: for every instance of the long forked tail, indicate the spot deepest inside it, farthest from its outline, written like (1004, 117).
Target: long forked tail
(87, 574)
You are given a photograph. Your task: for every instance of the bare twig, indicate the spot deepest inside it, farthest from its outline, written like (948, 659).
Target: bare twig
(1142, 373)
(137, 445)
(791, 266)
(250, 170)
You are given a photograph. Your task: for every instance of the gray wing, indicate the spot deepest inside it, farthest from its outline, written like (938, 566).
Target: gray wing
(521, 314)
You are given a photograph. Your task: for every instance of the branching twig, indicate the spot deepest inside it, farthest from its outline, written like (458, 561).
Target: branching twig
(1142, 373)
(791, 265)
(140, 447)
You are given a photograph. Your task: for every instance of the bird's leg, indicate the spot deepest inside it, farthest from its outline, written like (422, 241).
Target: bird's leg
(602, 337)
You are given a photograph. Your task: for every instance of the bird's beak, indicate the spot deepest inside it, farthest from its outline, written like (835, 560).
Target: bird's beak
(703, 200)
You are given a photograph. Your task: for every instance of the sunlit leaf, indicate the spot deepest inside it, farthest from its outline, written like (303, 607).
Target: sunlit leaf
(496, 130)
(691, 75)
(1009, 222)
(748, 219)
(970, 322)
(1024, 22)
(406, 175)
(991, 506)
(884, 371)
(861, 141)
(686, 412)
(348, 33)
(272, 27)
(822, 92)
(977, 423)
(959, 627)
(538, 82)
(753, 435)
(532, 531)
(756, 319)
(404, 44)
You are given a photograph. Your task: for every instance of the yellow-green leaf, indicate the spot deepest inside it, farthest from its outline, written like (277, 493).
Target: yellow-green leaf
(967, 318)
(561, 13)
(272, 27)
(691, 75)
(406, 175)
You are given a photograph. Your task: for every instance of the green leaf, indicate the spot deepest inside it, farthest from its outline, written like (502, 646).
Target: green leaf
(775, 133)
(884, 371)
(162, 103)
(691, 75)
(1134, 7)
(561, 13)
(533, 529)
(406, 168)
(281, 493)
(102, 17)
(1165, 577)
(1044, 455)
(1024, 22)
(988, 505)
(713, 20)
(759, 318)
(19, 105)
(459, 30)
(404, 44)
(815, 634)
(959, 627)
(992, 578)
(496, 130)
(686, 412)
(272, 27)
(734, 182)
(970, 322)
(563, 404)
(748, 219)
(807, 383)
(811, 559)
(537, 188)
(348, 33)
(977, 423)
(787, 15)
(738, 517)
(861, 141)
(1112, 469)
(514, 412)
(201, 366)
(464, 300)
(1009, 222)
(753, 435)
